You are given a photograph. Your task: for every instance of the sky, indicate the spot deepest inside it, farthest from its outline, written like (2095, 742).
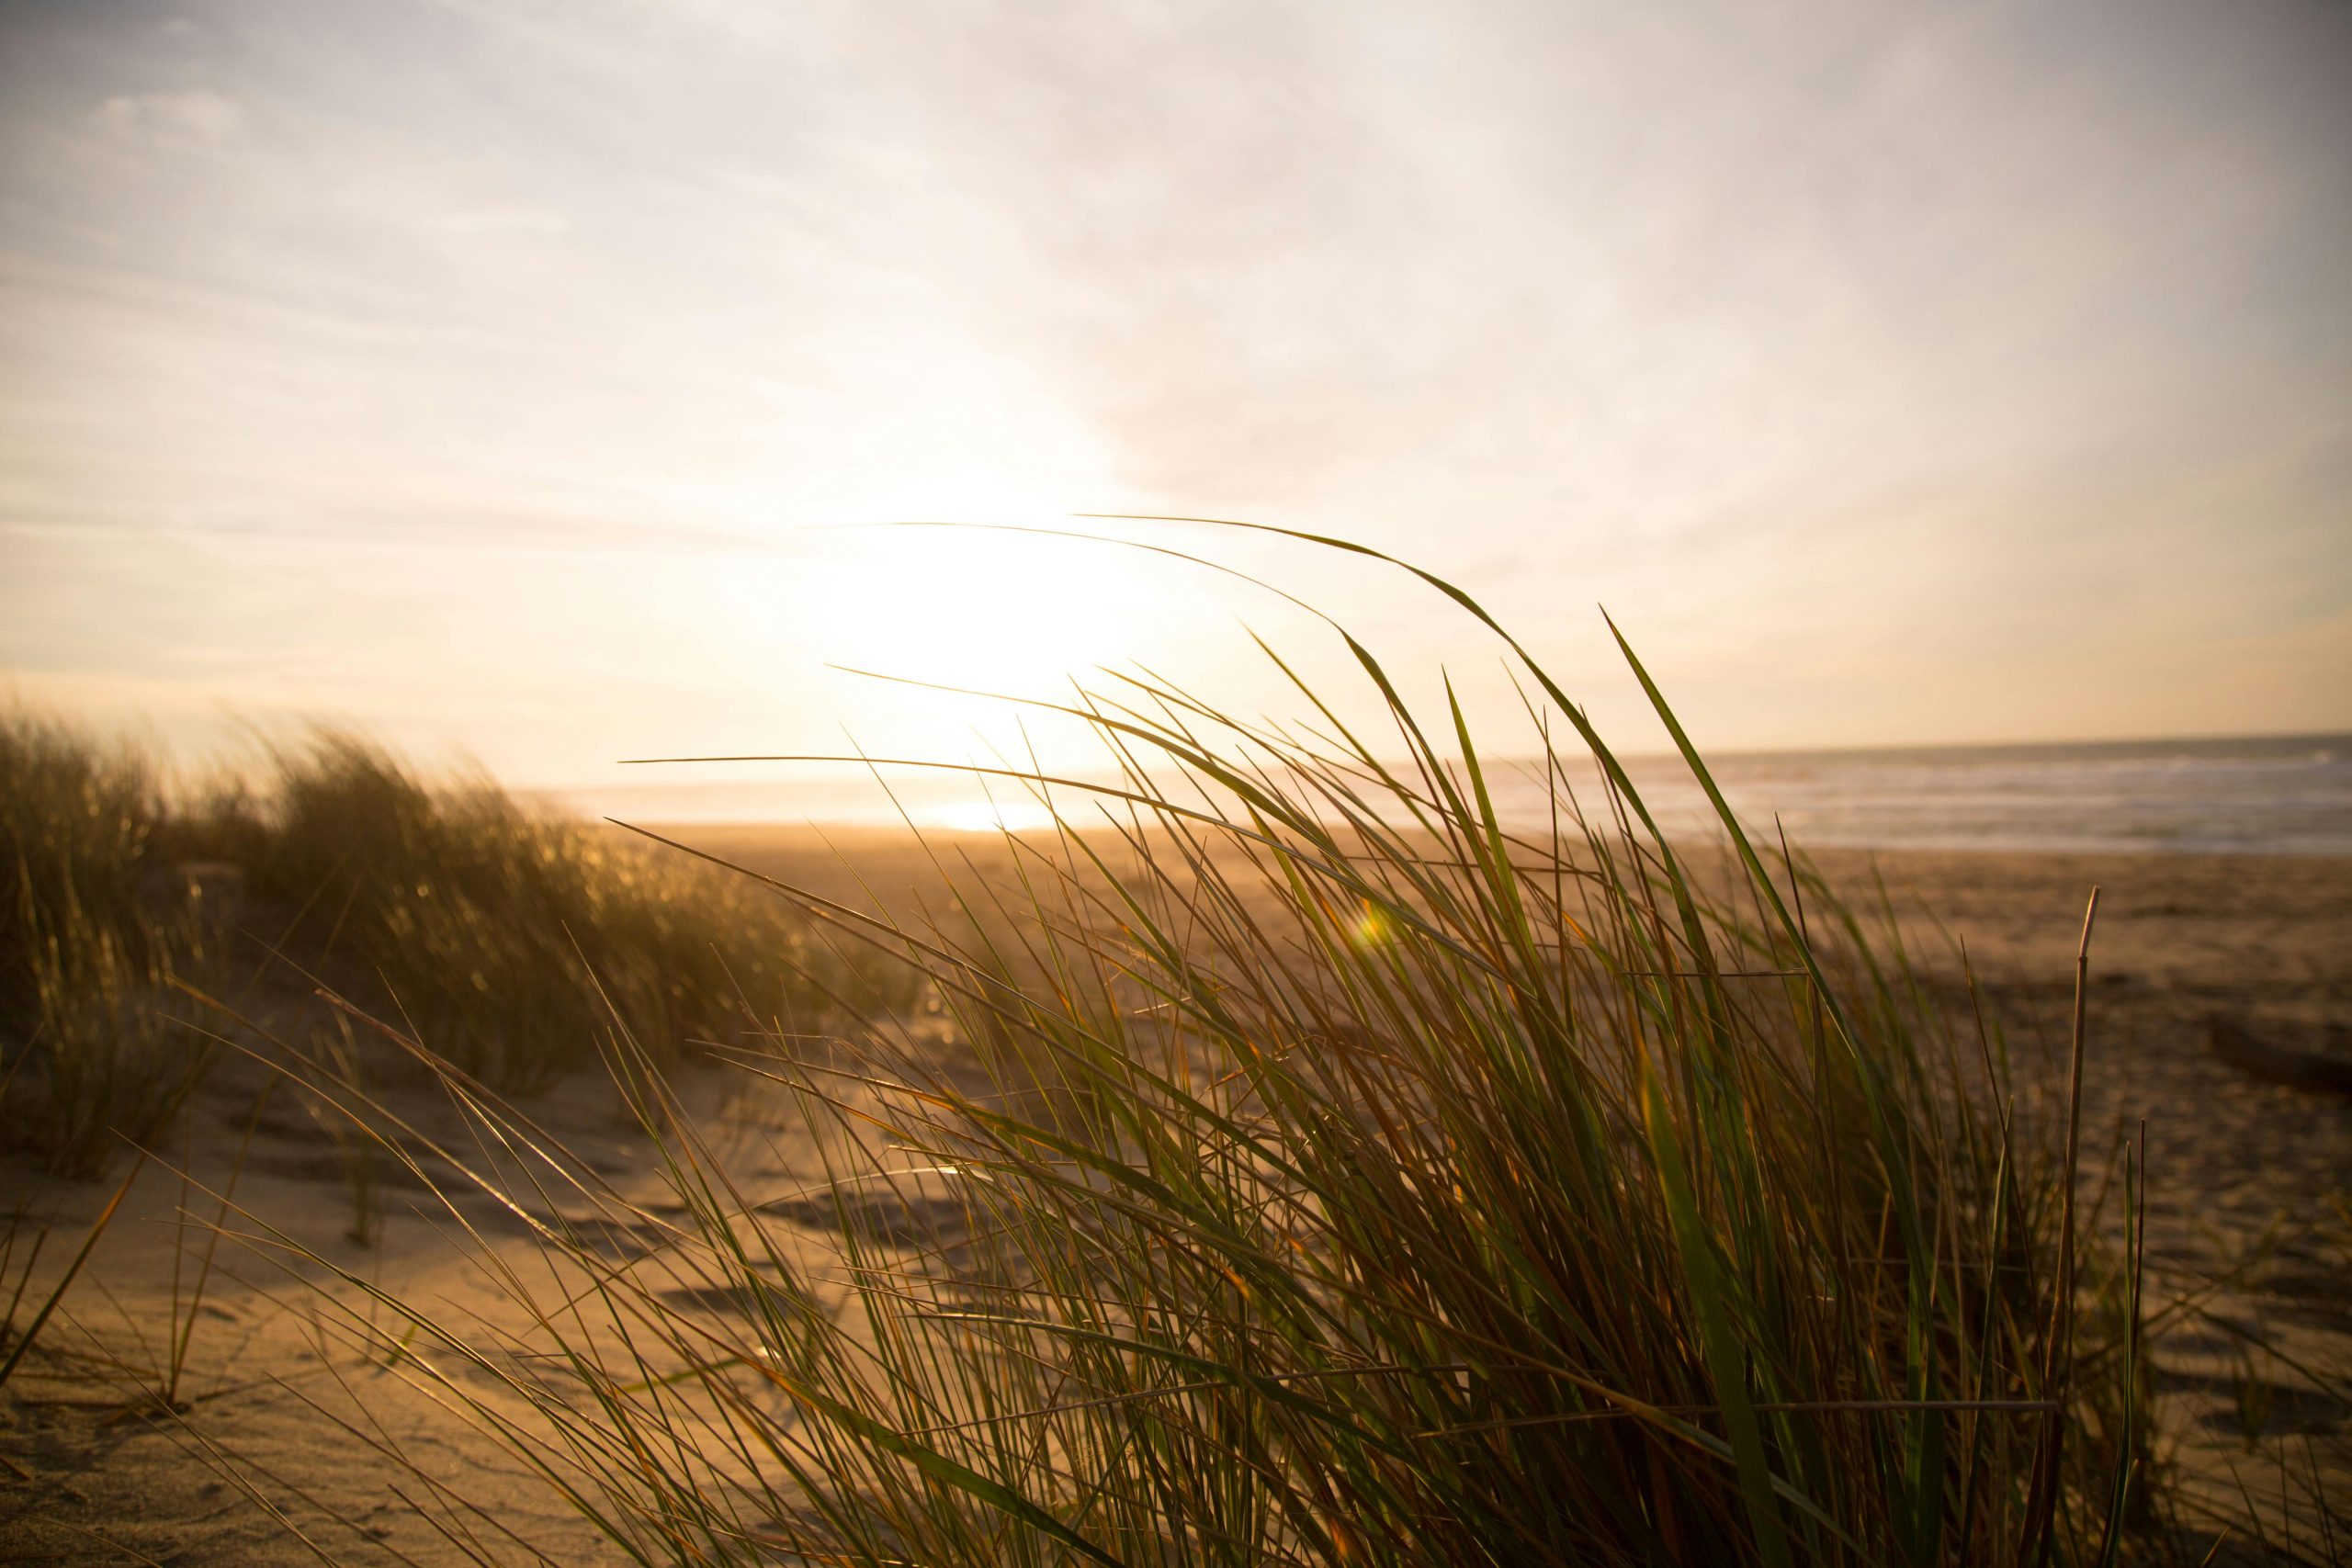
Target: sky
(525, 379)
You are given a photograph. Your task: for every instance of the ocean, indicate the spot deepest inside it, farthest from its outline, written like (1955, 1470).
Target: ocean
(2282, 794)
(2273, 794)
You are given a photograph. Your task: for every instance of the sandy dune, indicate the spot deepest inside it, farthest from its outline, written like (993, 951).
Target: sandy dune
(274, 1392)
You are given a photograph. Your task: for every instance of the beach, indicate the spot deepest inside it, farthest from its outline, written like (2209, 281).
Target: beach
(282, 1416)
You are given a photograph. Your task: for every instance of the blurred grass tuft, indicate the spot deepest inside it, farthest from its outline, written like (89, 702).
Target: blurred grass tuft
(517, 944)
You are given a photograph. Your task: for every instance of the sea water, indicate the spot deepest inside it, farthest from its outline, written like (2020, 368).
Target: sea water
(2278, 795)
(2288, 795)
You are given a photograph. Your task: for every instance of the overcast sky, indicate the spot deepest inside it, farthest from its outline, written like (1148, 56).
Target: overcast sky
(488, 371)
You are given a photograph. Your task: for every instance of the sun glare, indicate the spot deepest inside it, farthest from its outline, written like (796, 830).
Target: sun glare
(979, 608)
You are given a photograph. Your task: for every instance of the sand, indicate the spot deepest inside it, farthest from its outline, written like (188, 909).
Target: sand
(286, 1429)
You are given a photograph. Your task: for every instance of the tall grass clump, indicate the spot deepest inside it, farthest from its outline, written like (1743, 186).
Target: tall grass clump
(1308, 1167)
(93, 1056)
(511, 940)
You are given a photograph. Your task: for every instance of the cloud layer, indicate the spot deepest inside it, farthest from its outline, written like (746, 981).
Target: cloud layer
(1966, 372)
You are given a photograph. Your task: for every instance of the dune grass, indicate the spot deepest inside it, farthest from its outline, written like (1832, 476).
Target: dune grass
(1295, 1163)
(92, 942)
(512, 941)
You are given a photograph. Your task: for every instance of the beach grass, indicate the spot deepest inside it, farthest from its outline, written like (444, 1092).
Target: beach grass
(513, 939)
(1289, 1161)
(93, 942)
(142, 914)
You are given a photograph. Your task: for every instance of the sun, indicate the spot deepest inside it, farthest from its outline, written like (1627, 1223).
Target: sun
(994, 613)
(979, 607)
